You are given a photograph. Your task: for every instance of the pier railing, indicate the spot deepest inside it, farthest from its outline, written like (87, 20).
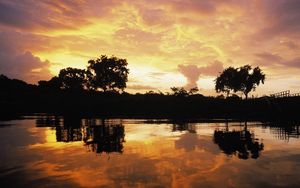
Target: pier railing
(283, 94)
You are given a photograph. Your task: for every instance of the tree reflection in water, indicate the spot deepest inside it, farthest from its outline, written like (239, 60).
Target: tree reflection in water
(98, 135)
(283, 130)
(104, 137)
(241, 143)
(183, 126)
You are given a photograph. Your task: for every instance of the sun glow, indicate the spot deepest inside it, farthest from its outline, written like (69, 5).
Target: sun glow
(154, 39)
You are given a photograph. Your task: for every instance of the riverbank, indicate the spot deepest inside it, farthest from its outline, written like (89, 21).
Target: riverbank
(148, 106)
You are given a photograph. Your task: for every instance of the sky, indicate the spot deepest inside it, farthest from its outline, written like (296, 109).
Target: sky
(166, 43)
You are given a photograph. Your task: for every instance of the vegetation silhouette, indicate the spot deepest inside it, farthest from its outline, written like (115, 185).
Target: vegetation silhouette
(108, 73)
(181, 92)
(244, 79)
(99, 89)
(241, 143)
(54, 84)
(73, 79)
(105, 138)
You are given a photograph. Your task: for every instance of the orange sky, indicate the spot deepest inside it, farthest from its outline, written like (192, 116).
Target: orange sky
(166, 42)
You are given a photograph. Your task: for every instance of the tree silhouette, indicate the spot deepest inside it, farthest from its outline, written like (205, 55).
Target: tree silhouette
(193, 91)
(73, 78)
(225, 82)
(250, 80)
(179, 91)
(53, 84)
(240, 143)
(108, 73)
(244, 79)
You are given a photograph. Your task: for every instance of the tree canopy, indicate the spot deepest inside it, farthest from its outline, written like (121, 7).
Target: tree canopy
(73, 78)
(180, 91)
(108, 73)
(244, 79)
(53, 84)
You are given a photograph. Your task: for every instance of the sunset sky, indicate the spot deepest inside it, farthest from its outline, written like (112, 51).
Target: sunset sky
(166, 42)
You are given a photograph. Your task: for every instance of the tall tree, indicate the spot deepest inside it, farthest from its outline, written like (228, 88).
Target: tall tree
(244, 79)
(108, 73)
(226, 81)
(73, 78)
(250, 79)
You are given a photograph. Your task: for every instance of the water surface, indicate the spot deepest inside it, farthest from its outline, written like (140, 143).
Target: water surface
(48, 151)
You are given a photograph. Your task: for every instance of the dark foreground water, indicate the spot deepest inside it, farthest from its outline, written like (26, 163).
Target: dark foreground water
(47, 151)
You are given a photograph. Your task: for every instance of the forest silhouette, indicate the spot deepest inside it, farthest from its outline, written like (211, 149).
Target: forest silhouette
(99, 90)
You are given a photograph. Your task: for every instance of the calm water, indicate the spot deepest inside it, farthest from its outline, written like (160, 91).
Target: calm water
(59, 152)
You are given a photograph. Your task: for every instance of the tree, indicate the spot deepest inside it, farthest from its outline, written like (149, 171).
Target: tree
(53, 84)
(179, 91)
(244, 79)
(108, 73)
(225, 81)
(250, 80)
(73, 78)
(193, 91)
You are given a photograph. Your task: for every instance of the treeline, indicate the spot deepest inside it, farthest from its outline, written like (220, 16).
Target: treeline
(20, 98)
(98, 90)
(104, 73)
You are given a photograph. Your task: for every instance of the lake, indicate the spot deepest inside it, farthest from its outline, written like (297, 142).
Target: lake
(51, 151)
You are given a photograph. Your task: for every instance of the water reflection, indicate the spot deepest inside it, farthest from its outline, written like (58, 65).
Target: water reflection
(283, 130)
(51, 151)
(184, 126)
(240, 143)
(99, 136)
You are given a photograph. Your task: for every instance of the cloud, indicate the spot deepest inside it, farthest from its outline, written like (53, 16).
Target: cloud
(281, 18)
(155, 16)
(193, 72)
(267, 58)
(24, 66)
(206, 7)
(290, 44)
(50, 14)
(138, 40)
(271, 60)
(140, 87)
(18, 62)
(295, 62)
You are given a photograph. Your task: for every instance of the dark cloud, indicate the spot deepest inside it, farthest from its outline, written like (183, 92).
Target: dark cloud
(194, 5)
(269, 59)
(24, 66)
(17, 62)
(193, 72)
(282, 18)
(52, 14)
